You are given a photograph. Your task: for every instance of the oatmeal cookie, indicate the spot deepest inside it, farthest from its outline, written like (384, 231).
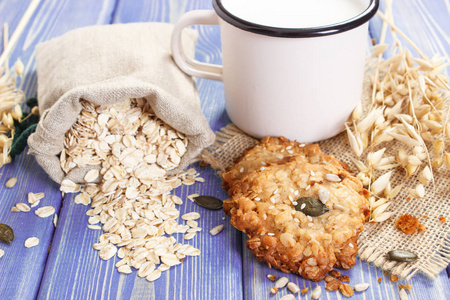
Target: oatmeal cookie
(262, 205)
(273, 149)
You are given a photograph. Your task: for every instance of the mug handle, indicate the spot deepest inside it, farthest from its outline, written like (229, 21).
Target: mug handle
(186, 64)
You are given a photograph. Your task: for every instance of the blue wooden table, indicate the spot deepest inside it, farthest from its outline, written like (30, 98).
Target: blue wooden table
(65, 266)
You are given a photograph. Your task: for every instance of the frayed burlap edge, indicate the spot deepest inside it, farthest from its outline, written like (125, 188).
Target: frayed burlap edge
(432, 245)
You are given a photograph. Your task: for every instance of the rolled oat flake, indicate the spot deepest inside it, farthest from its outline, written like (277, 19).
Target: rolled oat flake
(311, 206)
(6, 234)
(209, 202)
(402, 255)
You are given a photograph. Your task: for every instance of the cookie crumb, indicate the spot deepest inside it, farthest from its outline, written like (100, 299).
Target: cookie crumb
(442, 219)
(344, 278)
(335, 273)
(409, 224)
(304, 291)
(379, 280)
(393, 278)
(405, 286)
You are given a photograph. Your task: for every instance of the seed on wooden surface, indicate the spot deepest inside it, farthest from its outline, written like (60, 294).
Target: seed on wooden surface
(281, 282)
(45, 211)
(316, 293)
(55, 220)
(31, 242)
(153, 275)
(310, 206)
(288, 297)
(361, 287)
(23, 207)
(6, 234)
(346, 290)
(2, 252)
(403, 295)
(124, 269)
(293, 288)
(91, 175)
(191, 216)
(273, 290)
(333, 178)
(271, 277)
(209, 202)
(402, 255)
(216, 230)
(10, 183)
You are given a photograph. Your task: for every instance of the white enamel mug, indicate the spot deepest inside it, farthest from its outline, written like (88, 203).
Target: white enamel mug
(291, 68)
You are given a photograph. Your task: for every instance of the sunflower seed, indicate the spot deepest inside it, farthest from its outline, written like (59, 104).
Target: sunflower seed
(293, 288)
(281, 282)
(45, 211)
(11, 182)
(324, 195)
(31, 242)
(361, 287)
(216, 230)
(333, 178)
(316, 293)
(2, 252)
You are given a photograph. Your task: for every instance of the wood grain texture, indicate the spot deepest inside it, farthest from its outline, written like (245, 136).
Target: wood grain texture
(225, 270)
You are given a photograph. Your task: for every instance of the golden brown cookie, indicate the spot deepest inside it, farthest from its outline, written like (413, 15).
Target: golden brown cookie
(269, 150)
(262, 205)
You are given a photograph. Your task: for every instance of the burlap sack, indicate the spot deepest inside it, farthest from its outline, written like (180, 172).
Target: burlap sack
(432, 246)
(107, 64)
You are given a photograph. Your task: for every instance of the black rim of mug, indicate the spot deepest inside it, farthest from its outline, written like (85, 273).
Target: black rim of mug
(352, 23)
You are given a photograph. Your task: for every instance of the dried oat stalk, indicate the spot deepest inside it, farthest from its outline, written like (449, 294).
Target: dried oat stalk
(408, 114)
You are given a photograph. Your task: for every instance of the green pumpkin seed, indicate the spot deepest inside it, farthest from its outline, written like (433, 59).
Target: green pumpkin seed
(6, 234)
(311, 206)
(209, 202)
(401, 255)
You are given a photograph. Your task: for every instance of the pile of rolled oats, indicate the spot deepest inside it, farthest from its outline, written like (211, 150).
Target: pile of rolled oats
(131, 151)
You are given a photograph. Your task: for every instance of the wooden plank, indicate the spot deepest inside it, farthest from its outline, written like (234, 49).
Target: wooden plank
(74, 269)
(21, 269)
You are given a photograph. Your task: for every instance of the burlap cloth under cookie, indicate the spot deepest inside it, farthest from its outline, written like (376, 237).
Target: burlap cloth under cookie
(432, 246)
(105, 65)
